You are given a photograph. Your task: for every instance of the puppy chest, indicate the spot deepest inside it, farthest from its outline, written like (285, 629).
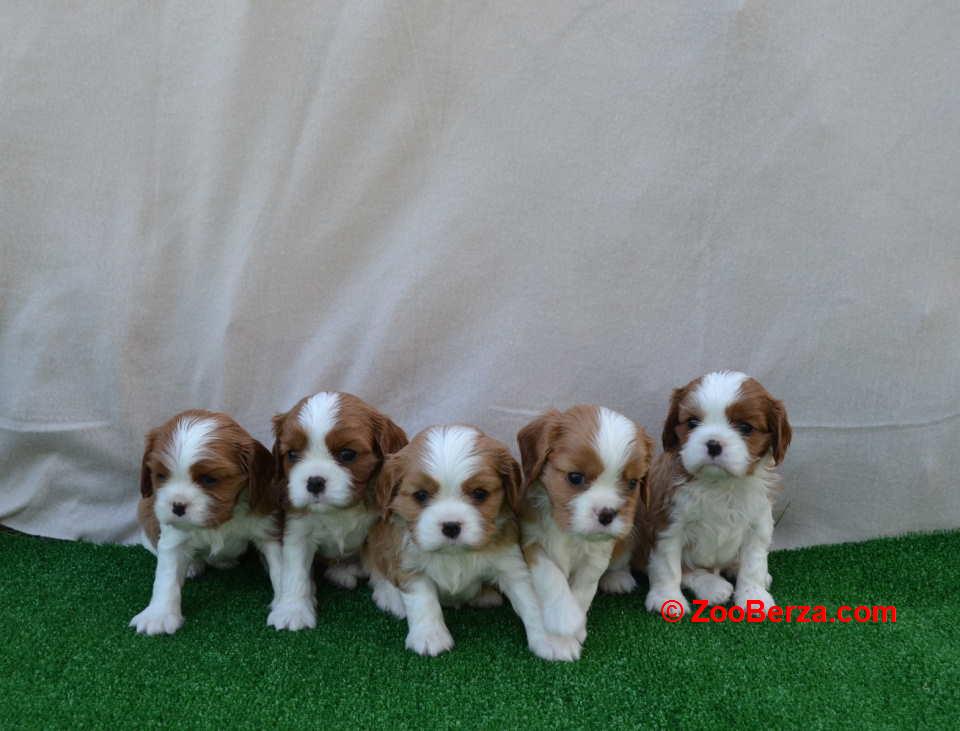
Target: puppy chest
(341, 533)
(715, 525)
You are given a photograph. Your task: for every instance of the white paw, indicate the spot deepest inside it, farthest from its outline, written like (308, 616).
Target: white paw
(554, 647)
(389, 599)
(617, 582)
(564, 618)
(768, 582)
(656, 598)
(196, 568)
(429, 640)
(715, 589)
(488, 597)
(342, 575)
(753, 593)
(153, 621)
(292, 615)
(581, 634)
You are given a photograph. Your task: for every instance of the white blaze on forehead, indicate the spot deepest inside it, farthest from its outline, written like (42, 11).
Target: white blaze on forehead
(613, 441)
(188, 443)
(717, 391)
(450, 456)
(319, 415)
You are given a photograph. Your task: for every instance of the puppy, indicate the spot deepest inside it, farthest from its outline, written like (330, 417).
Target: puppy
(448, 534)
(205, 488)
(711, 491)
(583, 469)
(328, 451)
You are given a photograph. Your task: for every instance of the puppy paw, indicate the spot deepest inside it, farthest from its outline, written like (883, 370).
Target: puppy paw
(715, 589)
(656, 598)
(555, 648)
(488, 597)
(342, 575)
(196, 568)
(389, 599)
(564, 618)
(753, 593)
(153, 621)
(430, 640)
(292, 615)
(617, 582)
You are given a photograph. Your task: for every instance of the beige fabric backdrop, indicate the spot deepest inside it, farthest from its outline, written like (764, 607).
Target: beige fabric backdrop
(473, 211)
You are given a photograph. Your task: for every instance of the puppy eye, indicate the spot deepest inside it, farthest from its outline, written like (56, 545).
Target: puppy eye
(293, 456)
(575, 478)
(159, 477)
(632, 484)
(421, 496)
(346, 455)
(693, 424)
(744, 428)
(480, 494)
(208, 480)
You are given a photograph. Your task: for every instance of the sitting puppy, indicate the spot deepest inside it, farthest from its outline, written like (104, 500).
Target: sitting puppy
(711, 491)
(205, 487)
(583, 469)
(329, 450)
(448, 534)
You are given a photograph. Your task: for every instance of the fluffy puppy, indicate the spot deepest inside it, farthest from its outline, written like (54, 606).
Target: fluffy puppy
(328, 451)
(711, 492)
(448, 534)
(205, 487)
(583, 469)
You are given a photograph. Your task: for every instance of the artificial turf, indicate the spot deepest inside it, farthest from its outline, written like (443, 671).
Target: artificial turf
(68, 659)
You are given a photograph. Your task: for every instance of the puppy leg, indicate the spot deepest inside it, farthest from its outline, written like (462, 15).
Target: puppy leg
(753, 577)
(583, 584)
(428, 634)
(295, 607)
(516, 583)
(707, 585)
(387, 596)
(272, 554)
(664, 571)
(617, 579)
(562, 614)
(488, 597)
(162, 615)
(344, 572)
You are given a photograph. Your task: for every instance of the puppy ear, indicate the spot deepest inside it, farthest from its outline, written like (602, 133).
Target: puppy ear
(534, 441)
(146, 484)
(512, 479)
(388, 481)
(390, 438)
(780, 431)
(259, 464)
(643, 489)
(278, 420)
(669, 437)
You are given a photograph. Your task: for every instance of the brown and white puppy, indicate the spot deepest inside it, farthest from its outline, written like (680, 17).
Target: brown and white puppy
(449, 534)
(583, 469)
(205, 488)
(711, 491)
(328, 451)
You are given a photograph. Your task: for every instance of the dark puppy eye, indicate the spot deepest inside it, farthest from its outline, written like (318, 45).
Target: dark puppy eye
(744, 428)
(479, 494)
(575, 478)
(160, 478)
(346, 455)
(632, 484)
(208, 480)
(293, 456)
(693, 424)
(421, 496)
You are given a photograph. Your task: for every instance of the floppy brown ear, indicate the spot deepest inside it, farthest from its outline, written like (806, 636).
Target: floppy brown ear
(780, 430)
(259, 464)
(512, 479)
(669, 438)
(146, 484)
(277, 420)
(534, 441)
(643, 489)
(390, 437)
(388, 481)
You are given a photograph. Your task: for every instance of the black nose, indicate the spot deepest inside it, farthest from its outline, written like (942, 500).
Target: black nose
(316, 485)
(606, 516)
(714, 448)
(450, 530)
(179, 508)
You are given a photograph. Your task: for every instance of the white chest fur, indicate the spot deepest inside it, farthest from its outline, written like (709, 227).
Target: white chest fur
(339, 533)
(715, 516)
(225, 542)
(569, 552)
(458, 575)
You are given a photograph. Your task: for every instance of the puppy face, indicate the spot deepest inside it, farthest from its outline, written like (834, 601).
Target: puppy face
(592, 463)
(725, 424)
(197, 465)
(328, 448)
(452, 485)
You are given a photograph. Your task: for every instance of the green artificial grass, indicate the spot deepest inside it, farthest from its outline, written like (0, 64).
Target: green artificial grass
(68, 659)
